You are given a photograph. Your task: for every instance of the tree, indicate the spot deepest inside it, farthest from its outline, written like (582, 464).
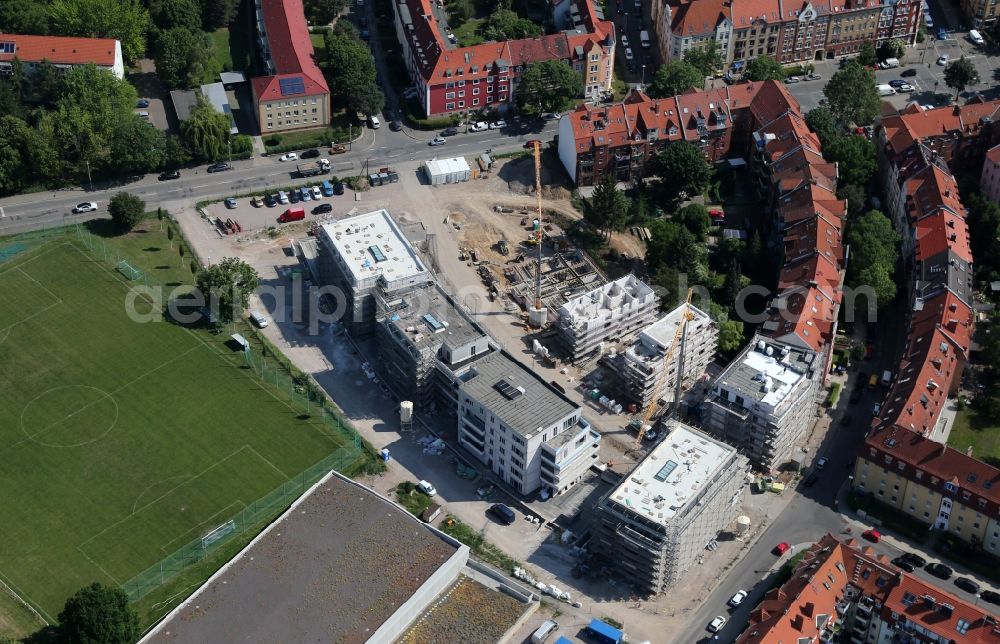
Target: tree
(548, 86)
(879, 278)
(45, 84)
(707, 59)
(855, 155)
(684, 168)
(15, 150)
(505, 24)
(227, 286)
(206, 131)
(855, 196)
(730, 337)
(184, 58)
(348, 64)
(137, 148)
(217, 13)
(608, 206)
(126, 210)
(695, 218)
(874, 252)
(168, 14)
(24, 17)
(820, 120)
(675, 77)
(764, 68)
(322, 12)
(98, 614)
(894, 48)
(959, 74)
(852, 95)
(867, 57)
(175, 154)
(124, 20)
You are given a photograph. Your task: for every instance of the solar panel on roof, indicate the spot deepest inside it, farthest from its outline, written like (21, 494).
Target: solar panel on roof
(289, 86)
(6, 47)
(433, 322)
(509, 391)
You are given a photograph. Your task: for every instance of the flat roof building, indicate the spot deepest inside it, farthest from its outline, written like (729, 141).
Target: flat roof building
(641, 365)
(616, 310)
(528, 433)
(342, 564)
(763, 401)
(659, 519)
(368, 254)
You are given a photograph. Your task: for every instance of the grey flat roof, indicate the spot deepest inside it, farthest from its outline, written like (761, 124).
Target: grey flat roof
(754, 368)
(184, 101)
(331, 569)
(411, 319)
(539, 406)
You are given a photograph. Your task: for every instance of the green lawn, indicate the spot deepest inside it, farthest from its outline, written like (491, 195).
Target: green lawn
(467, 35)
(231, 48)
(122, 441)
(982, 434)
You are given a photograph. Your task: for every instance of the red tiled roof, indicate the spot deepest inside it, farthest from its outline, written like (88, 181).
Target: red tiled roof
(929, 190)
(699, 16)
(61, 50)
(904, 129)
(291, 49)
(908, 599)
(993, 155)
(745, 12)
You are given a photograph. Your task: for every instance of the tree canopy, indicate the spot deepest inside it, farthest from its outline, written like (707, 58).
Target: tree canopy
(322, 12)
(504, 24)
(184, 58)
(167, 14)
(855, 155)
(959, 74)
(98, 614)
(206, 131)
(548, 86)
(867, 57)
(894, 48)
(126, 210)
(852, 95)
(695, 218)
(821, 121)
(124, 20)
(227, 286)
(683, 168)
(874, 252)
(764, 68)
(217, 13)
(608, 206)
(706, 59)
(675, 77)
(348, 64)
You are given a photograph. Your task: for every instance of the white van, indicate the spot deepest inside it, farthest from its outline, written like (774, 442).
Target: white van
(976, 37)
(644, 38)
(544, 631)
(374, 123)
(258, 318)
(886, 90)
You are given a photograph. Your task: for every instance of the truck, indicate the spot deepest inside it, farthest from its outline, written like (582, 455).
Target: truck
(292, 214)
(321, 167)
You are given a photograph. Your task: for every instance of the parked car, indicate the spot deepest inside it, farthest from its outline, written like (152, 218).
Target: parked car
(916, 560)
(305, 194)
(221, 166)
(942, 34)
(270, 201)
(256, 201)
(906, 87)
(288, 156)
(293, 196)
(781, 548)
(258, 319)
(940, 571)
(88, 206)
(628, 54)
(168, 175)
(426, 488)
(716, 624)
(437, 140)
(142, 103)
(907, 73)
(903, 564)
(338, 188)
(624, 40)
(821, 463)
(496, 125)
(322, 208)
(967, 585)
(990, 597)
(503, 513)
(791, 79)
(309, 154)
(814, 77)
(338, 149)
(479, 126)
(449, 131)
(738, 598)
(872, 535)
(942, 59)
(230, 203)
(282, 197)
(395, 125)
(316, 193)
(897, 83)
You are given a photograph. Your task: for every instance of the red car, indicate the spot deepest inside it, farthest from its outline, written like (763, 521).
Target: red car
(781, 548)
(872, 535)
(715, 213)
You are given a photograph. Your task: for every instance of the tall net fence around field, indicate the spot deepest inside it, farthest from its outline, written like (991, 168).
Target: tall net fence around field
(102, 251)
(252, 518)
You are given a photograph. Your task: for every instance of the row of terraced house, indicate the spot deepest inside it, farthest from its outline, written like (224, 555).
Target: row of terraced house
(452, 79)
(901, 463)
(757, 403)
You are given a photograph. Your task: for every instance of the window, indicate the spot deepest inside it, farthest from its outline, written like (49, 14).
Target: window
(461, 104)
(450, 95)
(449, 106)
(962, 626)
(475, 101)
(268, 105)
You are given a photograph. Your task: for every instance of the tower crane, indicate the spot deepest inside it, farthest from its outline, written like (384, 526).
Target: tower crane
(538, 239)
(677, 341)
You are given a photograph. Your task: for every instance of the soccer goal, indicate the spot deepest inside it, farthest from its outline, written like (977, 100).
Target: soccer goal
(218, 533)
(129, 271)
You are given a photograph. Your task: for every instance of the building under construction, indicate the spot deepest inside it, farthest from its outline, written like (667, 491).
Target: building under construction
(640, 367)
(612, 312)
(656, 523)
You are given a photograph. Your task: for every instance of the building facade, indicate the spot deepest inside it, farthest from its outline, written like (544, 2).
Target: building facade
(981, 14)
(989, 182)
(64, 53)
(292, 93)
(530, 435)
(763, 402)
(449, 79)
(612, 312)
(657, 522)
(692, 24)
(641, 366)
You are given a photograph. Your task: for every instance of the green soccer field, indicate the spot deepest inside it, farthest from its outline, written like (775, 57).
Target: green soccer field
(120, 441)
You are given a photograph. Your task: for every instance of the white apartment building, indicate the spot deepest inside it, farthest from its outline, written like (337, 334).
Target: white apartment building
(525, 431)
(612, 312)
(641, 365)
(764, 401)
(658, 520)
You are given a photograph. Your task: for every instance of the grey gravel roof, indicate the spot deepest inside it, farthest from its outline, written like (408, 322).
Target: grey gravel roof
(431, 300)
(539, 406)
(332, 569)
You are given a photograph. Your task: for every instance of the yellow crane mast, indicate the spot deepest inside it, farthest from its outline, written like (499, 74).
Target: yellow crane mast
(661, 379)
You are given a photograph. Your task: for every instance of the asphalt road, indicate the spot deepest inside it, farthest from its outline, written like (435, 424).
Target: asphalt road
(378, 148)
